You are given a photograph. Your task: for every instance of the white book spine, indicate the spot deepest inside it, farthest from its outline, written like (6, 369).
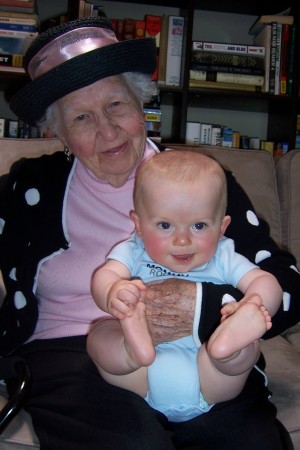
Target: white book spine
(205, 134)
(174, 52)
(192, 135)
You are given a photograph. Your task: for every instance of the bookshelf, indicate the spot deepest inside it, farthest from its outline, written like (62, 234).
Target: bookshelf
(182, 103)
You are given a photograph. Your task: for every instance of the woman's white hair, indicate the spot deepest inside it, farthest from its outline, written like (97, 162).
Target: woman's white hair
(141, 85)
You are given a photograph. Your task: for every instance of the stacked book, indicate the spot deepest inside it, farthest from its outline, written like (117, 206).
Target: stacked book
(168, 32)
(17, 31)
(277, 34)
(219, 65)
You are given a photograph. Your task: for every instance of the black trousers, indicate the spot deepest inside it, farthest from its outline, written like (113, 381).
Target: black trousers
(73, 408)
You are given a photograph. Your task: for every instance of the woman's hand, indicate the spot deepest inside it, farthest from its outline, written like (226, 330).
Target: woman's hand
(170, 309)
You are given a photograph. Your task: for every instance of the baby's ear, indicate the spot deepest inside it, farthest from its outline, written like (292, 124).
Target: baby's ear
(135, 219)
(225, 222)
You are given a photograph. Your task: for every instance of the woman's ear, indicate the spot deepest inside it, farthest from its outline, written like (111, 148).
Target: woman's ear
(225, 222)
(135, 219)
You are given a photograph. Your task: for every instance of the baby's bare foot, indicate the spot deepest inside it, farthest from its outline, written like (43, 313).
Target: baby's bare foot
(138, 341)
(242, 328)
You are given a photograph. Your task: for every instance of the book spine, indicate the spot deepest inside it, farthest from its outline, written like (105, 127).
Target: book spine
(228, 59)
(264, 38)
(219, 47)
(139, 29)
(205, 133)
(273, 58)
(153, 29)
(227, 69)
(284, 58)
(18, 34)
(17, 3)
(17, 27)
(174, 50)
(228, 48)
(192, 135)
(227, 86)
(163, 49)
(223, 77)
(291, 61)
(11, 60)
(17, 20)
(278, 58)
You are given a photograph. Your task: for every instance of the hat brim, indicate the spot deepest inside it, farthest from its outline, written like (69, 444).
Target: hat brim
(132, 55)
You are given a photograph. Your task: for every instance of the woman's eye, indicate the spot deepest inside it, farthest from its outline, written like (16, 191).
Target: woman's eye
(164, 225)
(199, 226)
(81, 117)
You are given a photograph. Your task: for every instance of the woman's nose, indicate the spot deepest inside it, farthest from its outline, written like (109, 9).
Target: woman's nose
(108, 129)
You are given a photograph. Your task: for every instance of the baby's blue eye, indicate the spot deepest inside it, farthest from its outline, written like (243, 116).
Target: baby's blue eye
(164, 225)
(199, 226)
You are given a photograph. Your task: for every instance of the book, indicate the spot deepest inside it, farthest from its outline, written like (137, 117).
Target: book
(162, 60)
(139, 31)
(174, 50)
(7, 18)
(152, 29)
(284, 62)
(205, 133)
(239, 49)
(12, 60)
(17, 5)
(227, 69)
(272, 71)
(261, 21)
(278, 58)
(129, 28)
(228, 59)
(192, 134)
(15, 42)
(256, 80)
(11, 69)
(221, 85)
(264, 38)
(291, 61)
(18, 26)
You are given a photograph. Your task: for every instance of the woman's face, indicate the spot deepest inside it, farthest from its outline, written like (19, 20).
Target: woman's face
(103, 125)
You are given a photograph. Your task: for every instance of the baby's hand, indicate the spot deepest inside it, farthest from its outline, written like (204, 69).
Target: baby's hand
(123, 296)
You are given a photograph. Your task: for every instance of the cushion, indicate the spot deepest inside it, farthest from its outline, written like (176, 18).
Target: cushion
(288, 181)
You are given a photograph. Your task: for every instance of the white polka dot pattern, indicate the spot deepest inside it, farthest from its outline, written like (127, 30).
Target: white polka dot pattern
(2, 223)
(20, 300)
(252, 218)
(261, 255)
(286, 301)
(12, 274)
(32, 196)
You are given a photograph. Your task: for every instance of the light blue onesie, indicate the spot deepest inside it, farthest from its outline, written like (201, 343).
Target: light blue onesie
(173, 378)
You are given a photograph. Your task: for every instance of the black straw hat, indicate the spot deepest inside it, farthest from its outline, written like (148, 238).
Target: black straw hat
(74, 55)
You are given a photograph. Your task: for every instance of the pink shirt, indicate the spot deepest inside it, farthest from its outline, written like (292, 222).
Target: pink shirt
(96, 218)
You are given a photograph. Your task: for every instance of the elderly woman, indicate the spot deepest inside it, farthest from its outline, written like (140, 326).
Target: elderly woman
(61, 215)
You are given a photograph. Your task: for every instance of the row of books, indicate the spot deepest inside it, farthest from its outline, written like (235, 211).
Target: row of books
(86, 8)
(17, 31)
(168, 31)
(10, 128)
(214, 134)
(215, 64)
(24, 6)
(277, 34)
(266, 66)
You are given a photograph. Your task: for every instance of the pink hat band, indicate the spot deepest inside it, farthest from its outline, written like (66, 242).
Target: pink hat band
(67, 46)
